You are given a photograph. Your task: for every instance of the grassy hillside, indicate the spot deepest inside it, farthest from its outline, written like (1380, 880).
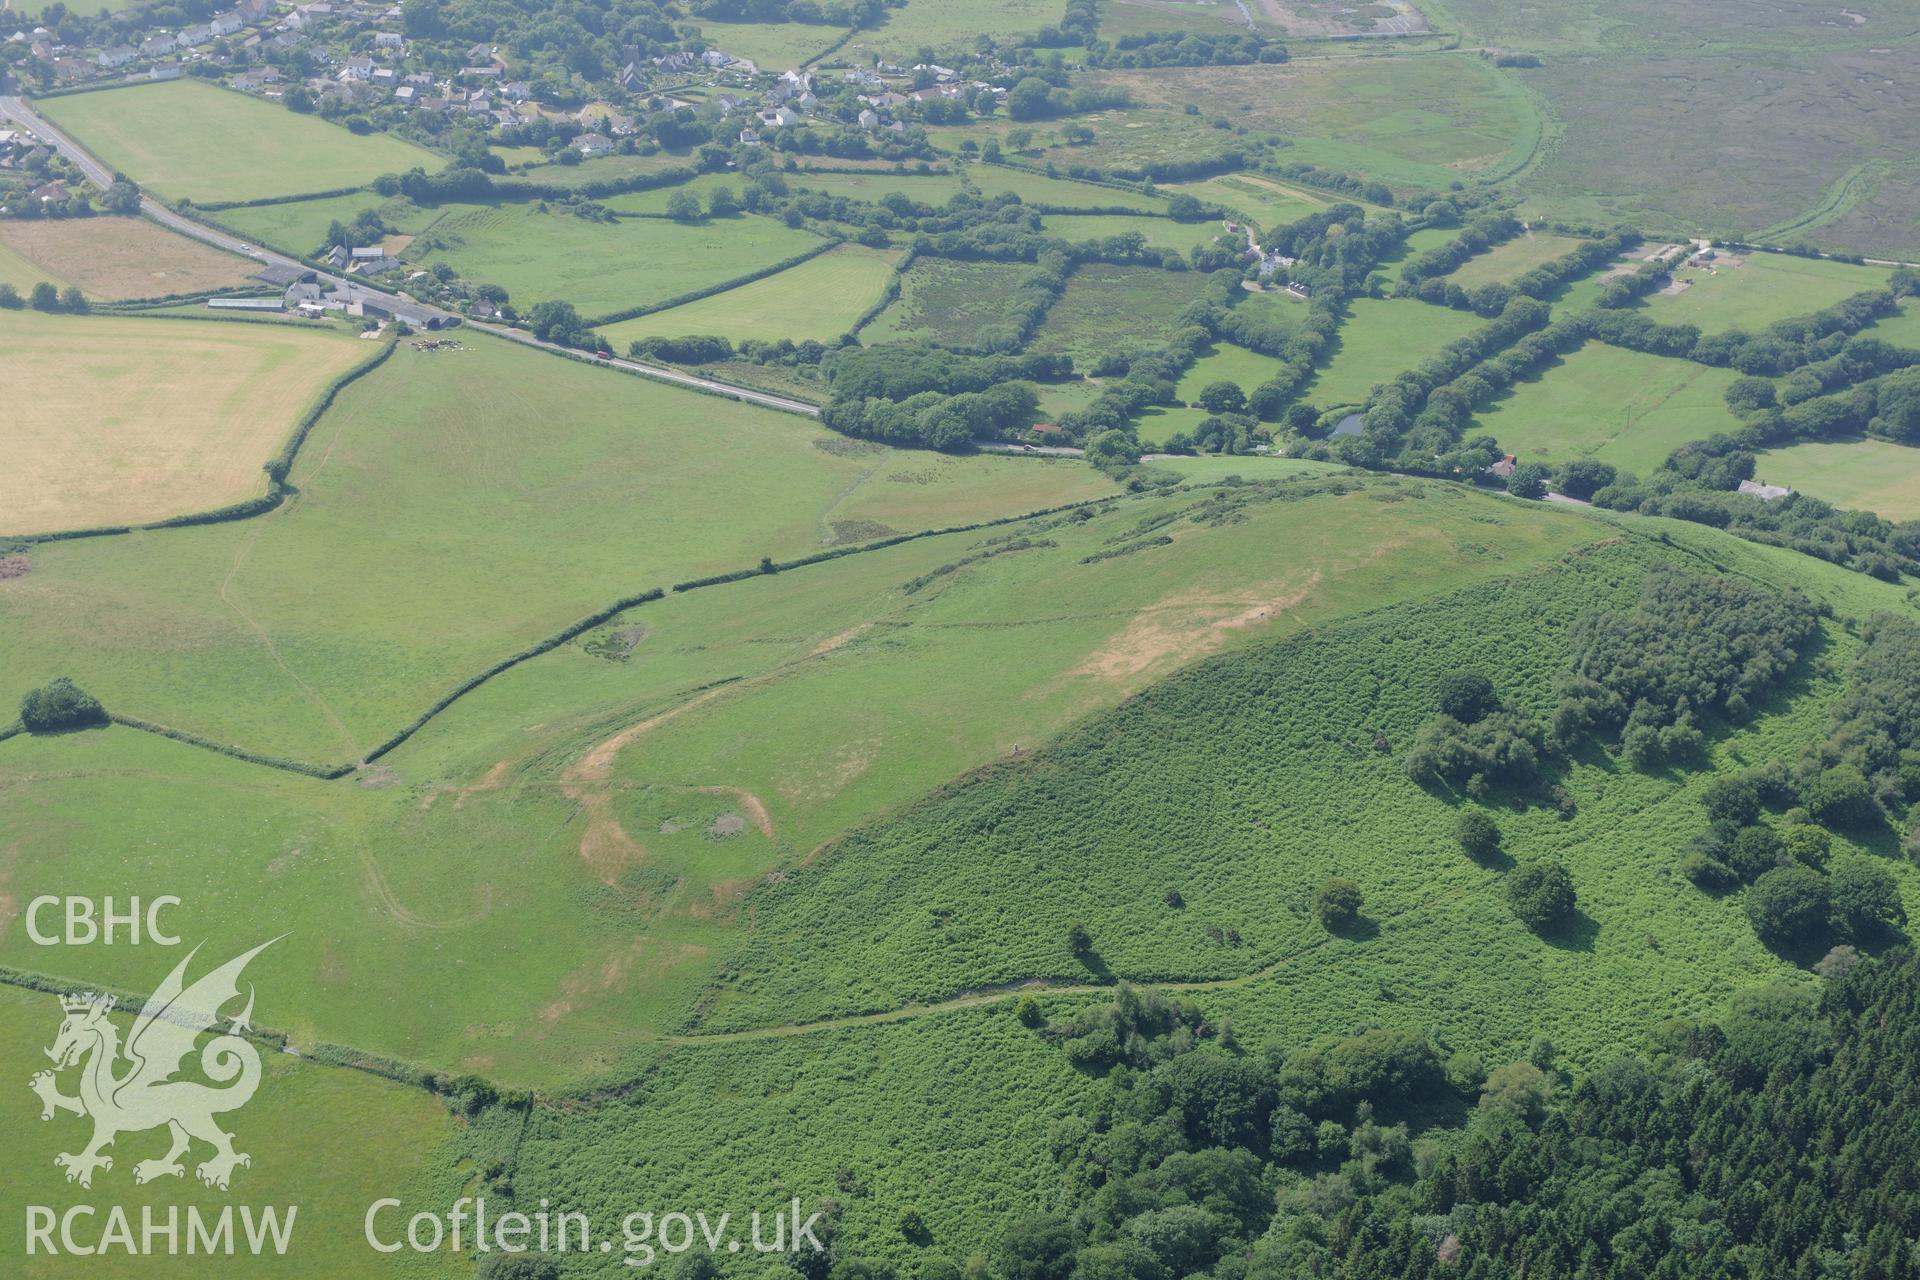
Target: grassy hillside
(455, 507)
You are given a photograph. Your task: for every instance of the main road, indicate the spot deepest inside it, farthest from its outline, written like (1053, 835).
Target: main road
(16, 109)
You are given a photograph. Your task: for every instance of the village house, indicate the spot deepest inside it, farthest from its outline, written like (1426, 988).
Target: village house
(750, 137)
(359, 67)
(224, 24)
(194, 37)
(118, 56)
(389, 40)
(593, 144)
(779, 118)
(157, 46)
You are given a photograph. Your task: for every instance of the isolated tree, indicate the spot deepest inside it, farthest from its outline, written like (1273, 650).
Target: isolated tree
(45, 297)
(60, 705)
(1541, 894)
(10, 297)
(1030, 99)
(1731, 799)
(1787, 906)
(1223, 397)
(1079, 941)
(722, 203)
(1337, 903)
(1477, 833)
(73, 301)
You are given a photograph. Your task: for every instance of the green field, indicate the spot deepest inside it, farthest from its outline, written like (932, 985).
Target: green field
(771, 46)
(1160, 233)
(1505, 263)
(933, 189)
(1762, 288)
(188, 139)
(1109, 308)
(1860, 475)
(1379, 339)
(1266, 201)
(1621, 407)
(600, 267)
(948, 302)
(300, 226)
(655, 199)
(1062, 193)
(821, 299)
(1901, 329)
(950, 25)
(1226, 363)
(405, 1145)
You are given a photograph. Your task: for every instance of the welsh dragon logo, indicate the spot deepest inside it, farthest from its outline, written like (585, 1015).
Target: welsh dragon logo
(130, 1088)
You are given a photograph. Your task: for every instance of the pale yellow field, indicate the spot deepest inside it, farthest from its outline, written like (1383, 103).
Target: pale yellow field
(119, 420)
(115, 258)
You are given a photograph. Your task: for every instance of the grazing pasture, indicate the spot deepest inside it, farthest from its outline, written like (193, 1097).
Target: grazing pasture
(1861, 475)
(1760, 289)
(126, 420)
(950, 26)
(188, 139)
(300, 226)
(600, 267)
(1505, 263)
(1112, 308)
(1226, 363)
(1267, 202)
(1622, 407)
(1902, 329)
(933, 189)
(1062, 193)
(1159, 233)
(820, 299)
(112, 259)
(1382, 337)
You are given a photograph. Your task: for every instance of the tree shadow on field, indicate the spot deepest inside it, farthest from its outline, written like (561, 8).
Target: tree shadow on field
(1361, 928)
(1575, 934)
(1096, 966)
(1499, 861)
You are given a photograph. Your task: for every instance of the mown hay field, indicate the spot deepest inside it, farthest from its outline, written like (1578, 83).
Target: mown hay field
(126, 420)
(186, 138)
(1861, 475)
(112, 259)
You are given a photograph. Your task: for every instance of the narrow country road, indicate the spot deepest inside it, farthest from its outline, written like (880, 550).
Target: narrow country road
(16, 109)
